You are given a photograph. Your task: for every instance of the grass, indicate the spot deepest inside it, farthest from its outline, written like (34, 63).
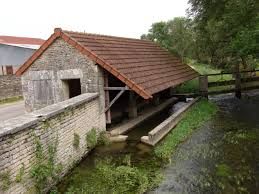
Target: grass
(192, 86)
(10, 100)
(194, 118)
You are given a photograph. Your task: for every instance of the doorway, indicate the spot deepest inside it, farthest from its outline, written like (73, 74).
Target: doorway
(71, 87)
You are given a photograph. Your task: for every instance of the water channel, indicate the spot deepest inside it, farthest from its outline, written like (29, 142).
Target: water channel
(220, 157)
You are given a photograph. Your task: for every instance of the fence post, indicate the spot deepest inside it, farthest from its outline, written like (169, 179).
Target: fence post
(203, 85)
(237, 82)
(238, 93)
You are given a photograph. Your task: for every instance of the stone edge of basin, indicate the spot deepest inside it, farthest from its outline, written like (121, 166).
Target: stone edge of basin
(125, 127)
(160, 131)
(19, 123)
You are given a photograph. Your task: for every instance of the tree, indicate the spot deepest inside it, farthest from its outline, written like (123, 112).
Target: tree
(229, 28)
(174, 35)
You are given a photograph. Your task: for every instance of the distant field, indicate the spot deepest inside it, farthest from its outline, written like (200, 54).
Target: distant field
(192, 86)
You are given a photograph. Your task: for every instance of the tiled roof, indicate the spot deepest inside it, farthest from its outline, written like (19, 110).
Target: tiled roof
(20, 40)
(142, 65)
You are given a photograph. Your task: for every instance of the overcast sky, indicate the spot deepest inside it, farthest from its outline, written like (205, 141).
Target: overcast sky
(128, 18)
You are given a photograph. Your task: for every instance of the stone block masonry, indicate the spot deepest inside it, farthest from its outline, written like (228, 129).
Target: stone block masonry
(10, 86)
(60, 125)
(43, 83)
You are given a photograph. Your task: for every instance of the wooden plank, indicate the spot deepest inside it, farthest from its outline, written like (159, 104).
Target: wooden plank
(107, 99)
(114, 100)
(116, 88)
(230, 73)
(232, 82)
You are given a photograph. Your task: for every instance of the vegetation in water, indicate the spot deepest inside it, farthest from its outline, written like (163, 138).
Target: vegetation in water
(103, 139)
(126, 174)
(111, 176)
(194, 118)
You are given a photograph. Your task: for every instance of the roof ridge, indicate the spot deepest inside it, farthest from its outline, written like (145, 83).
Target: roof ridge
(103, 35)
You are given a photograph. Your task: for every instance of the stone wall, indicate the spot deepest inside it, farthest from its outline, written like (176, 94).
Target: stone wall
(43, 83)
(10, 86)
(57, 126)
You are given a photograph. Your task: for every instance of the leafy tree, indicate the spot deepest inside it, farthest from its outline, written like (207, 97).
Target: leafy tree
(229, 28)
(174, 35)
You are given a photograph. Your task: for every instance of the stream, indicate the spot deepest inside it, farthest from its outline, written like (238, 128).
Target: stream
(220, 157)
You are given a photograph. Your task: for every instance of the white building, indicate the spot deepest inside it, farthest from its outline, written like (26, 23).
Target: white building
(14, 51)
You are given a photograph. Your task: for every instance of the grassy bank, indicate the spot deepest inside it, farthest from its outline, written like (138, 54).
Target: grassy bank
(125, 173)
(194, 118)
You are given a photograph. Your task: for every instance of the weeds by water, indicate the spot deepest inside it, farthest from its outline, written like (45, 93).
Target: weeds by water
(199, 113)
(125, 174)
(115, 176)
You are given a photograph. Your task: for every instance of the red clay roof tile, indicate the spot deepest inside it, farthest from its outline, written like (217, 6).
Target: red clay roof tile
(20, 40)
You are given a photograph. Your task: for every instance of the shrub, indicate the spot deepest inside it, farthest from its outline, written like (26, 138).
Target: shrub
(103, 139)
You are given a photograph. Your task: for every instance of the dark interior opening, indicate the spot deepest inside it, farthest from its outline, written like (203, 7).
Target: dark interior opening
(74, 87)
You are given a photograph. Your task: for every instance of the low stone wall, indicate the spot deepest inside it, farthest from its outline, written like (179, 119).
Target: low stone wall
(160, 131)
(10, 86)
(55, 135)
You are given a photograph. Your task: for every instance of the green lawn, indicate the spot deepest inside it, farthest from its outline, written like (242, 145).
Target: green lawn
(10, 100)
(192, 86)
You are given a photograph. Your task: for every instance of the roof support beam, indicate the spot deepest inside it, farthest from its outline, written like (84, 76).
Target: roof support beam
(116, 88)
(114, 100)
(107, 99)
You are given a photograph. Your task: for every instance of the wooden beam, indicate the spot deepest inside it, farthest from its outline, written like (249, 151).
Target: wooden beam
(114, 100)
(107, 99)
(116, 88)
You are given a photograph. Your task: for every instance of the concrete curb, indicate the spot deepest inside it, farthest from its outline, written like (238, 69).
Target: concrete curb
(160, 131)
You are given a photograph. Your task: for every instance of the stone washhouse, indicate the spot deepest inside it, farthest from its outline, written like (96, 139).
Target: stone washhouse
(128, 74)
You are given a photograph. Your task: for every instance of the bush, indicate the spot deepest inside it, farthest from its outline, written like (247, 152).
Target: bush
(103, 139)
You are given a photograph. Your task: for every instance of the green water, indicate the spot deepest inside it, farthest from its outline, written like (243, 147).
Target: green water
(220, 157)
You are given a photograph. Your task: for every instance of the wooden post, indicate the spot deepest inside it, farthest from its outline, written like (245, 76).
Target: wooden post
(203, 85)
(133, 110)
(238, 93)
(171, 91)
(107, 99)
(156, 100)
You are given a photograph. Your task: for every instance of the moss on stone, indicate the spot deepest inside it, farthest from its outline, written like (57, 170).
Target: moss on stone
(91, 138)
(76, 141)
